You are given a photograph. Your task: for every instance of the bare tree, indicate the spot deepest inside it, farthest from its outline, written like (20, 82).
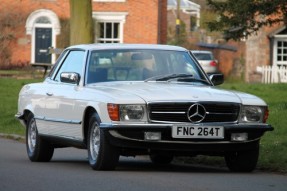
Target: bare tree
(9, 22)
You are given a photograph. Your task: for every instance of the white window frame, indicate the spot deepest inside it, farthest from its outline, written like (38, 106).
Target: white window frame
(111, 17)
(111, 40)
(278, 38)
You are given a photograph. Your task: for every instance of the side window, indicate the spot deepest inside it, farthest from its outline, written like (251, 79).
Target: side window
(72, 63)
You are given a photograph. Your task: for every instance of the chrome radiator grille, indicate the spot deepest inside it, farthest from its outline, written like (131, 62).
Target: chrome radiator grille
(180, 112)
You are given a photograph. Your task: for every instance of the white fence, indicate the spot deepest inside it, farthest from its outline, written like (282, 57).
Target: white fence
(273, 74)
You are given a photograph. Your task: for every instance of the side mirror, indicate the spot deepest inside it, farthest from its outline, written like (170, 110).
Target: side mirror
(216, 79)
(70, 77)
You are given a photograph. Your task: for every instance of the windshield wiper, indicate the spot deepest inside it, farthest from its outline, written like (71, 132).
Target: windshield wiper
(168, 77)
(189, 79)
(178, 77)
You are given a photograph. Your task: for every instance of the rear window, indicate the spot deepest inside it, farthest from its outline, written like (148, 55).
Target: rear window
(203, 56)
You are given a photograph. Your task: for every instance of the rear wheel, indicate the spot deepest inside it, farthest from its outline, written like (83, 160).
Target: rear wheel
(242, 161)
(102, 155)
(38, 150)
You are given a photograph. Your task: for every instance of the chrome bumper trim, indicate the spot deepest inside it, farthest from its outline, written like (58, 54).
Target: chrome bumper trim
(115, 134)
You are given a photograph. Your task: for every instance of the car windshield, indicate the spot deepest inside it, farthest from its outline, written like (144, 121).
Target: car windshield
(143, 65)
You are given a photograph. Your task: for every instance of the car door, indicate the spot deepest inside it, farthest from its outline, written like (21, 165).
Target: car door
(61, 116)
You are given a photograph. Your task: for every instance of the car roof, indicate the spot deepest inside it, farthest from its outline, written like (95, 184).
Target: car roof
(126, 46)
(201, 51)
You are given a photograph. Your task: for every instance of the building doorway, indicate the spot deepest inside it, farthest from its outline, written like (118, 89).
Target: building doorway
(43, 25)
(43, 40)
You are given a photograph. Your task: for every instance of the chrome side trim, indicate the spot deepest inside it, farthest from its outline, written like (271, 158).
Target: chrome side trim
(58, 120)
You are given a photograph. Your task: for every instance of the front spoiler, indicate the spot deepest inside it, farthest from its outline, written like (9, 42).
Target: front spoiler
(122, 136)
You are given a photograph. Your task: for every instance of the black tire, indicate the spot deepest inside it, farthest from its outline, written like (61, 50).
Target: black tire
(161, 159)
(242, 161)
(102, 155)
(38, 150)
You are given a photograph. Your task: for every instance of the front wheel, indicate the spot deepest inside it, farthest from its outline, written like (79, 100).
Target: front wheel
(242, 161)
(38, 150)
(102, 155)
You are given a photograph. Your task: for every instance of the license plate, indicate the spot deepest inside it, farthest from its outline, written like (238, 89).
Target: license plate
(204, 132)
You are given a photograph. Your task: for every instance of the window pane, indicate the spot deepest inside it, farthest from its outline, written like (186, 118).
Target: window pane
(43, 20)
(279, 51)
(285, 44)
(279, 43)
(102, 30)
(284, 58)
(279, 58)
(108, 30)
(116, 30)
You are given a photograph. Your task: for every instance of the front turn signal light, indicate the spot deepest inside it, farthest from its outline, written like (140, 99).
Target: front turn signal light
(113, 110)
(266, 115)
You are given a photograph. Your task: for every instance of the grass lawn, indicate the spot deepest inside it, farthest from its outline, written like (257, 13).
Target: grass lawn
(273, 154)
(9, 90)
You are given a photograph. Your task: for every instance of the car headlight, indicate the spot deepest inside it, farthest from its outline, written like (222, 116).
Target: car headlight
(126, 112)
(251, 114)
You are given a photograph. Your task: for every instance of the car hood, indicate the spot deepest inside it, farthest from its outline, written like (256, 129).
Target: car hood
(167, 91)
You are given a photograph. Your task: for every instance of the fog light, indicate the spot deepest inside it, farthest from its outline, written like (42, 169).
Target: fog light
(152, 136)
(239, 137)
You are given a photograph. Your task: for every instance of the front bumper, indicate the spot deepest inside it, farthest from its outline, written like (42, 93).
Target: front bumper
(20, 117)
(131, 136)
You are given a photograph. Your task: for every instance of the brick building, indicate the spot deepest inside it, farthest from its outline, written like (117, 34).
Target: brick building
(29, 27)
(268, 47)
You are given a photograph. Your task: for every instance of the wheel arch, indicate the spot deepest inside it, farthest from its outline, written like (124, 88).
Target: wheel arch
(25, 116)
(89, 111)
